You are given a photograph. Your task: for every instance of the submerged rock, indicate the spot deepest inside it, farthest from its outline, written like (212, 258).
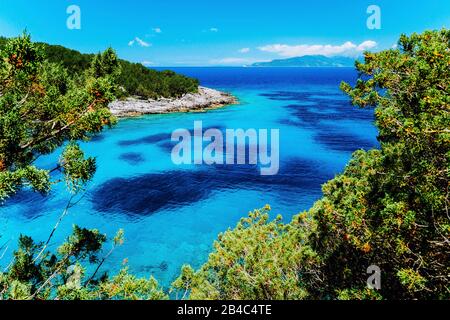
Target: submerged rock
(205, 99)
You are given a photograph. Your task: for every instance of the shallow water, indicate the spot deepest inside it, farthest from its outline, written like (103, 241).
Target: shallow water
(172, 214)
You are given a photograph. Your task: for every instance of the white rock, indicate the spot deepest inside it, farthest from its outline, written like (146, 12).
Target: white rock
(206, 98)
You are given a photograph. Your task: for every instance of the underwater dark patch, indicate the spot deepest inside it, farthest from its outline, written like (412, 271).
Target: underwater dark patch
(304, 96)
(329, 111)
(333, 136)
(167, 146)
(163, 266)
(147, 194)
(286, 95)
(321, 112)
(33, 204)
(97, 138)
(340, 141)
(155, 138)
(133, 158)
(164, 140)
(313, 107)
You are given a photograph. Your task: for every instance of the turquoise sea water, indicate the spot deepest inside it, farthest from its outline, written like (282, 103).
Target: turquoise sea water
(172, 214)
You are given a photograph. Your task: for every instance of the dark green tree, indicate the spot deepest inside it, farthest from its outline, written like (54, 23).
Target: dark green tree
(43, 108)
(390, 207)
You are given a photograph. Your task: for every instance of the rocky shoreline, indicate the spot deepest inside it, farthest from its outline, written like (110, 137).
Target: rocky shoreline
(205, 99)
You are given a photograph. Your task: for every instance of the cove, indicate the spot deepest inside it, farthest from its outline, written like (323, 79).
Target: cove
(171, 214)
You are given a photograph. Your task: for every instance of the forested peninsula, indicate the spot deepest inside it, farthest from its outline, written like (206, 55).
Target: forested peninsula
(134, 79)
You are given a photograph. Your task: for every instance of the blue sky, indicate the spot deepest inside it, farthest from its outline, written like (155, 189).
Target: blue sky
(231, 32)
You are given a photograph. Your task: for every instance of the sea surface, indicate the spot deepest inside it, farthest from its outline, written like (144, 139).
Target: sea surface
(172, 214)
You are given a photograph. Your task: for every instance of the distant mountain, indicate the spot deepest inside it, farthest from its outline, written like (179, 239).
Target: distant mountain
(309, 61)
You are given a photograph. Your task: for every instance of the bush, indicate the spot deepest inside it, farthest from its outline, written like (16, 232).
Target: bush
(389, 208)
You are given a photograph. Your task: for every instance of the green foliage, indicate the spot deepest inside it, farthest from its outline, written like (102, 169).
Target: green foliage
(41, 275)
(138, 80)
(134, 78)
(77, 170)
(38, 274)
(125, 286)
(358, 294)
(257, 260)
(13, 181)
(41, 108)
(20, 56)
(389, 208)
(105, 64)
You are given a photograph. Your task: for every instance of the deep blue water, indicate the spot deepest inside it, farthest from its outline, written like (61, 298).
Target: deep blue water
(172, 214)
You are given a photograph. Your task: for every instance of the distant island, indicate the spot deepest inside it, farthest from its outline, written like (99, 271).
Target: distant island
(309, 61)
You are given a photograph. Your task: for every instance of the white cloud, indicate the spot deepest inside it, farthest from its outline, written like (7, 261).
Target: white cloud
(244, 50)
(366, 45)
(140, 42)
(235, 61)
(230, 60)
(214, 30)
(157, 30)
(346, 49)
(147, 63)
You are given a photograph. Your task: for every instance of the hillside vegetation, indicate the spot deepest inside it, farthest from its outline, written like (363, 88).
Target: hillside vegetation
(134, 79)
(43, 107)
(389, 208)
